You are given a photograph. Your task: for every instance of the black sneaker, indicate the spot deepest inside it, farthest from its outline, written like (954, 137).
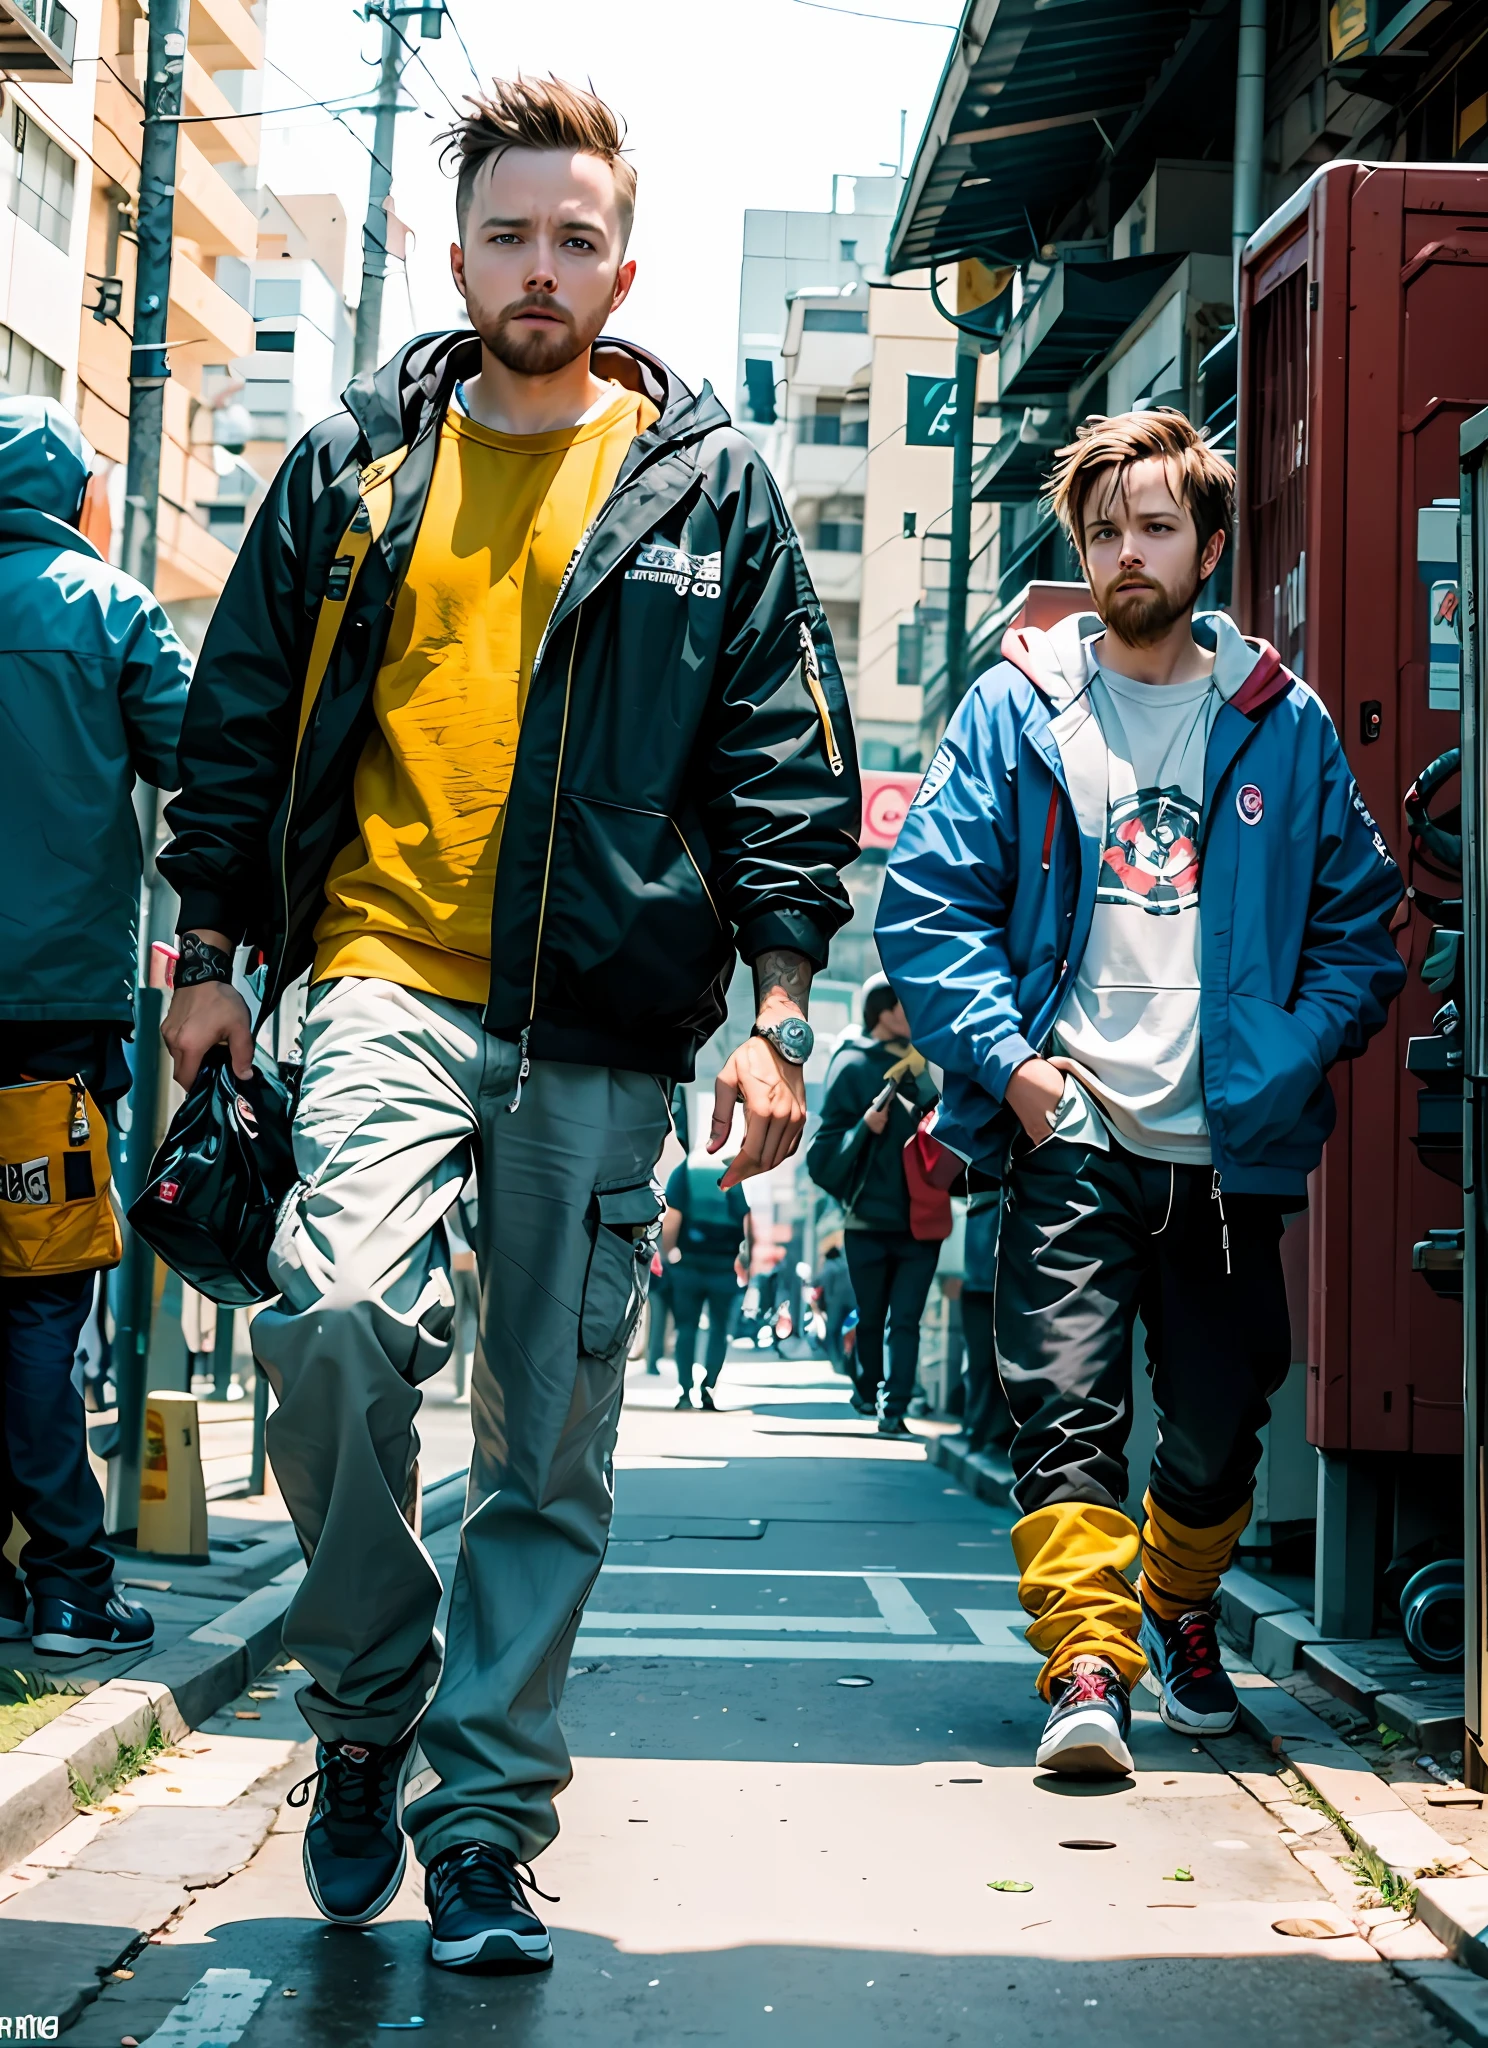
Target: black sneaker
(355, 1851)
(684, 1399)
(705, 1400)
(481, 1918)
(61, 1628)
(1193, 1688)
(893, 1425)
(1086, 1734)
(861, 1406)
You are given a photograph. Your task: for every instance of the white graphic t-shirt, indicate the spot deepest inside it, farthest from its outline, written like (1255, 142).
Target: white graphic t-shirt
(1131, 1020)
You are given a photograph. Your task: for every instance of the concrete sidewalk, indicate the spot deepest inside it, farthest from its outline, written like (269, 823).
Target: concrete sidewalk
(803, 1723)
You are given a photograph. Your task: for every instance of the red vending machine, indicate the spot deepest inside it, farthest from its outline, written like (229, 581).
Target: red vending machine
(1363, 310)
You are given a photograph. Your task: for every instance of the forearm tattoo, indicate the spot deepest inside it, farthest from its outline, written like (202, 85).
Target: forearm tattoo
(789, 972)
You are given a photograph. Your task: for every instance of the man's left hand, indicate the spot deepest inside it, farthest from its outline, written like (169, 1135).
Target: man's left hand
(773, 1093)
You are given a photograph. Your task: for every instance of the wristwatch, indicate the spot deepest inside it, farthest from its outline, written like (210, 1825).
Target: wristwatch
(200, 962)
(792, 1038)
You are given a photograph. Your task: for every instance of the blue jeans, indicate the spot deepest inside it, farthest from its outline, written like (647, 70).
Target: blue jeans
(45, 1478)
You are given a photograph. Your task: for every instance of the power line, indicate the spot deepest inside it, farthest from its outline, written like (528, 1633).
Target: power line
(862, 14)
(270, 65)
(461, 41)
(414, 51)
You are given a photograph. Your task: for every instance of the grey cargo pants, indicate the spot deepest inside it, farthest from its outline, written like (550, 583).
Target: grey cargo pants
(403, 1095)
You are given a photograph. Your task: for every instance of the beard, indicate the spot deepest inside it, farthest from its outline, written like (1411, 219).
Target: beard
(1141, 617)
(534, 351)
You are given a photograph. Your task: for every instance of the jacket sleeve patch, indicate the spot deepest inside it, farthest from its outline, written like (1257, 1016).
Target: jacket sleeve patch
(937, 775)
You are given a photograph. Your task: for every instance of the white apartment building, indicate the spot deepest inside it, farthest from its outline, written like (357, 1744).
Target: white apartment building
(48, 69)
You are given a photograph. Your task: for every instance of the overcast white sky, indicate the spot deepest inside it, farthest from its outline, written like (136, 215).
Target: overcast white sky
(730, 104)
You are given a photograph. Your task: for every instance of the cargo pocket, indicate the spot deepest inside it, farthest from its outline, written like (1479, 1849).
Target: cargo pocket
(627, 1224)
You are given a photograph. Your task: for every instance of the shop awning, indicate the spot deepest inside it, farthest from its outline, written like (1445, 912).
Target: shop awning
(1080, 313)
(1034, 95)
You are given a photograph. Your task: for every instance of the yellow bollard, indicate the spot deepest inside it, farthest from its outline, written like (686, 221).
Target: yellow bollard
(173, 1493)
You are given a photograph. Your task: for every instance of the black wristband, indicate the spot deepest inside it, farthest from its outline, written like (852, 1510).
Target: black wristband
(200, 962)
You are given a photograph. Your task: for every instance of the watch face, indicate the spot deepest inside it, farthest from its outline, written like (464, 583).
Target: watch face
(795, 1038)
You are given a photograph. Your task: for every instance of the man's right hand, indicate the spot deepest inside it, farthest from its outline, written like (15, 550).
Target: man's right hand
(212, 1013)
(1033, 1094)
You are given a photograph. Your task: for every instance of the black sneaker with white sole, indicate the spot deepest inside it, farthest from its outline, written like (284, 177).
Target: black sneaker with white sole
(1087, 1733)
(63, 1628)
(477, 1900)
(355, 1848)
(1194, 1692)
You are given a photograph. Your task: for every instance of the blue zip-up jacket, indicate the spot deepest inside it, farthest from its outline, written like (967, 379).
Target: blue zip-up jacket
(989, 894)
(92, 692)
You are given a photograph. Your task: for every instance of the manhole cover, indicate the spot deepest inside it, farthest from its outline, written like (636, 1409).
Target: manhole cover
(855, 1680)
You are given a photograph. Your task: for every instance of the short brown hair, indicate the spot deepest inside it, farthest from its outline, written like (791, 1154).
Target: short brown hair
(536, 113)
(1198, 474)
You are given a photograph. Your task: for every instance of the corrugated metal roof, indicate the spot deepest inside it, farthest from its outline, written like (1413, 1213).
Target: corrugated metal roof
(1033, 94)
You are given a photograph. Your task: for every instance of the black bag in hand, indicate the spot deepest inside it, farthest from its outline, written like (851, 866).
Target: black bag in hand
(217, 1181)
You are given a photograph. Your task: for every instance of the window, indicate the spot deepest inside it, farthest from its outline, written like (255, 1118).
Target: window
(277, 298)
(834, 320)
(24, 371)
(274, 341)
(911, 654)
(839, 528)
(44, 172)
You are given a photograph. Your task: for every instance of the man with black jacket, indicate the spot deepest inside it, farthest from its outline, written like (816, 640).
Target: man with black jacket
(527, 594)
(857, 1157)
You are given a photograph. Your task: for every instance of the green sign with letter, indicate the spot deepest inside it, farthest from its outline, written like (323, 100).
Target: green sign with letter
(931, 420)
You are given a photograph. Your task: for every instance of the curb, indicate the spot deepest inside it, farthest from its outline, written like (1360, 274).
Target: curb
(986, 1474)
(1453, 1996)
(180, 1689)
(1373, 1810)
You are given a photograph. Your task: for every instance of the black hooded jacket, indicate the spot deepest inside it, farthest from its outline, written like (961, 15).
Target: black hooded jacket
(685, 785)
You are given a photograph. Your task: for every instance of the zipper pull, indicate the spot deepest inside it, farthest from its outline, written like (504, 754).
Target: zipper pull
(77, 1130)
(1224, 1228)
(524, 1068)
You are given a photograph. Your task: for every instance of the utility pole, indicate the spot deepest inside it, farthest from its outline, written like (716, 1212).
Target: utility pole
(1250, 130)
(149, 371)
(968, 357)
(375, 227)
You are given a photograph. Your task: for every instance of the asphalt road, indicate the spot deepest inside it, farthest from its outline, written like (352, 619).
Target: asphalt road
(754, 1851)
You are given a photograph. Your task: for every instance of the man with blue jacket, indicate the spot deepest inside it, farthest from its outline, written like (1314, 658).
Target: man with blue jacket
(1137, 911)
(92, 691)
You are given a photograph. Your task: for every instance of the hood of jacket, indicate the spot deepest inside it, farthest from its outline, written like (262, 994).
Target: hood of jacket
(410, 394)
(1062, 662)
(44, 468)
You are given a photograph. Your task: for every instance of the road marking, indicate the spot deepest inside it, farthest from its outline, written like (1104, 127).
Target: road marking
(988, 1626)
(899, 1607)
(762, 1650)
(760, 1571)
(214, 2012)
(806, 1624)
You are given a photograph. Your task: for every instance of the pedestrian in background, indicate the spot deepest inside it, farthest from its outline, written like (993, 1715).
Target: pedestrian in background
(705, 1246)
(876, 1094)
(92, 691)
(833, 1284)
(987, 1423)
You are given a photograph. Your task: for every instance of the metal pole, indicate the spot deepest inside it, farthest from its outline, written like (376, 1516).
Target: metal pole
(1250, 128)
(149, 371)
(222, 1353)
(375, 227)
(968, 356)
(137, 1274)
(260, 1418)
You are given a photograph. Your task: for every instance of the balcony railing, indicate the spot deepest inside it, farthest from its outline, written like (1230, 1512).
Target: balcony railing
(37, 39)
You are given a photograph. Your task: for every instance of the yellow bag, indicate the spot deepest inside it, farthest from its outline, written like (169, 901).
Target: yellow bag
(55, 1211)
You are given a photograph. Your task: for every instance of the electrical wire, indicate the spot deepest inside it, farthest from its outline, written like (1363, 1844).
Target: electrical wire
(480, 82)
(361, 143)
(414, 51)
(862, 14)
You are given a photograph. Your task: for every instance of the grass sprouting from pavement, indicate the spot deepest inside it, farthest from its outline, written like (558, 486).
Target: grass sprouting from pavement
(27, 1702)
(131, 1759)
(1365, 1865)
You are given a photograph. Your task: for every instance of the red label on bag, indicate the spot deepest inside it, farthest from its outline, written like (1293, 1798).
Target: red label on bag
(167, 1191)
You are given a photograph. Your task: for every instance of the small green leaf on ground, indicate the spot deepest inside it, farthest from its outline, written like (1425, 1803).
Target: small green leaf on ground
(1388, 1737)
(1009, 1884)
(1182, 1875)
